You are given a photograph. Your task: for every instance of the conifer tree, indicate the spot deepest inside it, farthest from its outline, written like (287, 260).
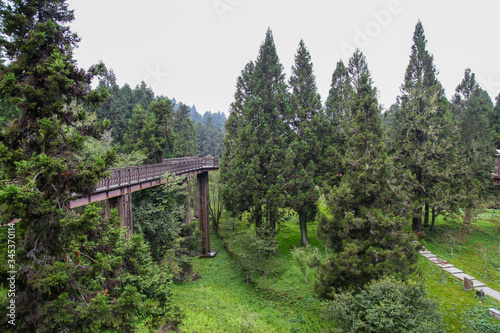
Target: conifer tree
(117, 108)
(363, 226)
(258, 149)
(75, 272)
(472, 107)
(231, 169)
(184, 133)
(145, 135)
(163, 109)
(423, 131)
(337, 103)
(306, 141)
(494, 120)
(337, 113)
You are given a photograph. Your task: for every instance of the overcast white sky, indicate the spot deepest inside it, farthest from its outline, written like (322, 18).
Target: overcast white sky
(194, 50)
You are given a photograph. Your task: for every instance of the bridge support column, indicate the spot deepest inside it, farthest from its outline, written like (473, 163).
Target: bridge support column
(195, 201)
(123, 204)
(203, 220)
(187, 220)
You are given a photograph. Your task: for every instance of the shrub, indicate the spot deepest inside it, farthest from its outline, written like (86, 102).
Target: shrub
(385, 306)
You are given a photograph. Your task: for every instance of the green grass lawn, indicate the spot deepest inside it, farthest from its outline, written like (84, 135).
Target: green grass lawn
(222, 301)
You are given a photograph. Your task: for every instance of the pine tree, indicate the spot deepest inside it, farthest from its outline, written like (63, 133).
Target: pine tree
(305, 140)
(423, 131)
(363, 226)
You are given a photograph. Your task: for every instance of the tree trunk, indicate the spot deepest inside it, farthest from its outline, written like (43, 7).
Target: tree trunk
(433, 217)
(303, 229)
(257, 217)
(426, 215)
(417, 220)
(467, 217)
(272, 218)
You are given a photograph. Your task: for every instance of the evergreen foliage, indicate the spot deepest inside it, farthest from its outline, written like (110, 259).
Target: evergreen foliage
(472, 107)
(386, 306)
(118, 107)
(185, 137)
(364, 227)
(75, 271)
(256, 141)
(337, 111)
(495, 123)
(209, 138)
(158, 215)
(308, 126)
(423, 132)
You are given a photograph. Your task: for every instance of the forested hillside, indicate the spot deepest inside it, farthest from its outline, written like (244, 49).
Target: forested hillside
(319, 209)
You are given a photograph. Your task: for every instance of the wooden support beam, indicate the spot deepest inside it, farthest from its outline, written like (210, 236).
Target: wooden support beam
(123, 204)
(203, 220)
(195, 200)
(187, 219)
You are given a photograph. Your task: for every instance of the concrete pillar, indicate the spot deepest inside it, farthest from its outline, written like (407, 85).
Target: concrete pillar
(203, 221)
(123, 204)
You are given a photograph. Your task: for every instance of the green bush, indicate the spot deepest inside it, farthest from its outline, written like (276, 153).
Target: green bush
(255, 253)
(385, 305)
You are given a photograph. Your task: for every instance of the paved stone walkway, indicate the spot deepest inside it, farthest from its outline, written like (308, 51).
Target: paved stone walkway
(478, 285)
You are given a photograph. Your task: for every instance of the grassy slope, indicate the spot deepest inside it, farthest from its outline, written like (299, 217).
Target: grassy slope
(449, 291)
(221, 301)
(467, 257)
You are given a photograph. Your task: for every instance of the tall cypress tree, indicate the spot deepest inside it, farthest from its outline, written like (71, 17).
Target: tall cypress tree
(306, 140)
(472, 107)
(337, 112)
(423, 131)
(258, 149)
(232, 167)
(494, 119)
(363, 226)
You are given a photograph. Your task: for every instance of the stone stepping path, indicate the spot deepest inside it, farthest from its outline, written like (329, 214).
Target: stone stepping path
(453, 270)
(490, 292)
(459, 274)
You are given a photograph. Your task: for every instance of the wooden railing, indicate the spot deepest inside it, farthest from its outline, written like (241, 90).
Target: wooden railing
(176, 166)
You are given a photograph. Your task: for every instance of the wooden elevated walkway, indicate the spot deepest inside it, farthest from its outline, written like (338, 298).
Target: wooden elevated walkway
(123, 181)
(116, 190)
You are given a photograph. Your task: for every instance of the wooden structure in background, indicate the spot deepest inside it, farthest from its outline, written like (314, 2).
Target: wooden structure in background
(496, 174)
(116, 189)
